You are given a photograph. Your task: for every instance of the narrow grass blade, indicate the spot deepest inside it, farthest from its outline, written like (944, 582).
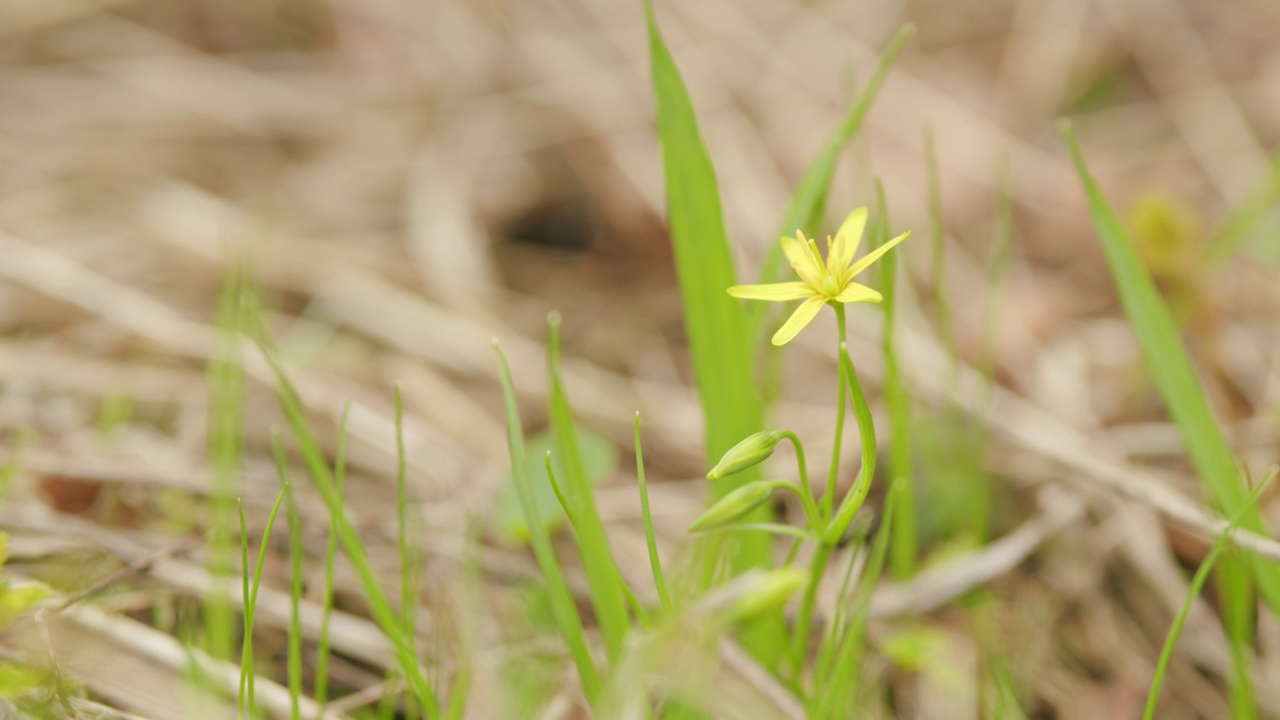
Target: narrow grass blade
(226, 440)
(321, 683)
(379, 605)
(1245, 219)
(247, 675)
(655, 563)
(246, 644)
(719, 338)
(1172, 370)
(294, 652)
(562, 605)
(408, 568)
(1193, 591)
(903, 549)
(593, 543)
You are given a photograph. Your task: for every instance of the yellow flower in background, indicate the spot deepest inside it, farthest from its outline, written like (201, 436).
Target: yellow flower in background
(820, 282)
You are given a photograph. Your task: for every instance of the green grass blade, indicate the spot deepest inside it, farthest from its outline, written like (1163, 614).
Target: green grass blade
(226, 440)
(246, 645)
(562, 605)
(1172, 369)
(655, 563)
(408, 570)
(903, 549)
(379, 605)
(331, 553)
(250, 609)
(294, 522)
(716, 323)
(593, 543)
(719, 339)
(1193, 591)
(1246, 218)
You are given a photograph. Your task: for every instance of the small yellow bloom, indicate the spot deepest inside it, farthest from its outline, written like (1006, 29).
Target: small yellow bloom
(820, 282)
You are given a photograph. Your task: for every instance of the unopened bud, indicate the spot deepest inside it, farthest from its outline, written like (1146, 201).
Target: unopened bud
(735, 506)
(769, 594)
(754, 450)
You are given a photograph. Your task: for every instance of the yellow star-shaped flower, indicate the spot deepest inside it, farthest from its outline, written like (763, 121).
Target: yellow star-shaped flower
(820, 282)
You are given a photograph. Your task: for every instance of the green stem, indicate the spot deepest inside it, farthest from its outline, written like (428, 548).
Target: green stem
(655, 564)
(828, 499)
(804, 620)
(806, 496)
(839, 524)
(867, 432)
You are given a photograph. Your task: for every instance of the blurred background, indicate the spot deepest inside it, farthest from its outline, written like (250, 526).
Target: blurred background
(410, 179)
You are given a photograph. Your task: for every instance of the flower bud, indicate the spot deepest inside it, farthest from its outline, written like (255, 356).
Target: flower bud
(754, 450)
(769, 593)
(735, 506)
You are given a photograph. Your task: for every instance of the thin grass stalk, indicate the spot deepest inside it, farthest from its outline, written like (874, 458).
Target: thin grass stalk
(602, 572)
(833, 474)
(331, 552)
(383, 613)
(563, 607)
(226, 439)
(903, 549)
(408, 574)
(247, 675)
(1193, 591)
(294, 523)
(246, 644)
(651, 541)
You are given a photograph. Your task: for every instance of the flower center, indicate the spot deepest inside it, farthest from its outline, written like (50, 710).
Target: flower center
(829, 286)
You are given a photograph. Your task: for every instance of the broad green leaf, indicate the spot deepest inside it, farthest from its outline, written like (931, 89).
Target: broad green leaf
(599, 461)
(719, 338)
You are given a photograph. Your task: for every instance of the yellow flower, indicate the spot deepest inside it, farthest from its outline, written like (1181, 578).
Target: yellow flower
(820, 282)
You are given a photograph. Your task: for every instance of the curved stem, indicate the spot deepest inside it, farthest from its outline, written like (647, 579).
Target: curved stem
(806, 493)
(829, 498)
(867, 431)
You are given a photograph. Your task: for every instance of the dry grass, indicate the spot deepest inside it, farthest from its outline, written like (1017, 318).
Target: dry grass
(417, 178)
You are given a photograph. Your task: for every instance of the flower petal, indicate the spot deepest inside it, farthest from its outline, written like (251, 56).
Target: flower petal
(858, 293)
(874, 255)
(845, 244)
(797, 250)
(778, 292)
(803, 315)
